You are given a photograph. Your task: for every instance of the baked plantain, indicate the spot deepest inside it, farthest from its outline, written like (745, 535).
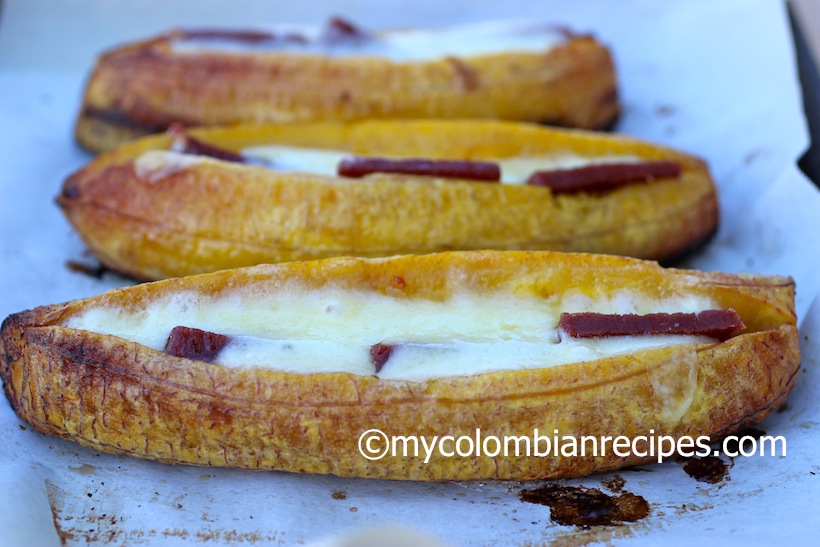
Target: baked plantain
(153, 213)
(293, 370)
(529, 72)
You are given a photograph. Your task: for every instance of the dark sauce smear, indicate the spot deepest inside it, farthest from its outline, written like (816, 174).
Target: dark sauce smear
(709, 469)
(586, 507)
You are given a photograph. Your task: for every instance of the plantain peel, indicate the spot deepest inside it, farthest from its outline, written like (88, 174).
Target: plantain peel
(473, 344)
(153, 213)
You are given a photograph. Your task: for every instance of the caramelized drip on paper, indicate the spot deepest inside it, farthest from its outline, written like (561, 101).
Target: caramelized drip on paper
(585, 507)
(709, 469)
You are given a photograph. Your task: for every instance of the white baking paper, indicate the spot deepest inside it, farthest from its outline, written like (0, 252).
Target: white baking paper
(716, 78)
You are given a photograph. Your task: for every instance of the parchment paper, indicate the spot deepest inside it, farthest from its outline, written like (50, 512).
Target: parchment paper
(715, 78)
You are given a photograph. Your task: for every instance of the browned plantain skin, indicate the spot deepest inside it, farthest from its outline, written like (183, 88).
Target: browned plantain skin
(143, 87)
(217, 215)
(120, 397)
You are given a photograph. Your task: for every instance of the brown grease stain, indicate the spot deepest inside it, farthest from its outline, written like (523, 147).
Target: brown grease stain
(586, 507)
(339, 495)
(615, 484)
(709, 469)
(84, 469)
(55, 498)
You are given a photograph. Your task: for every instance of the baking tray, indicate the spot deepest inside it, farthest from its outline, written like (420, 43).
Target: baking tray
(717, 79)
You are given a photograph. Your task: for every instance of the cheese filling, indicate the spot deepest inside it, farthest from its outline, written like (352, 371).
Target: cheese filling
(332, 330)
(398, 46)
(156, 164)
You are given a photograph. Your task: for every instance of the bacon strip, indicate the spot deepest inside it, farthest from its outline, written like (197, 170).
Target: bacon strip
(603, 176)
(720, 324)
(357, 167)
(380, 353)
(195, 344)
(186, 144)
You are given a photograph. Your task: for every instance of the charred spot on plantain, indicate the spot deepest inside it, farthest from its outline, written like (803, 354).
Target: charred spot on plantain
(191, 343)
(466, 75)
(71, 191)
(119, 118)
(379, 354)
(217, 416)
(609, 97)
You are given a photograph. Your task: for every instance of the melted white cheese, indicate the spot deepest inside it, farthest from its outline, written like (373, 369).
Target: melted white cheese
(155, 165)
(399, 46)
(332, 330)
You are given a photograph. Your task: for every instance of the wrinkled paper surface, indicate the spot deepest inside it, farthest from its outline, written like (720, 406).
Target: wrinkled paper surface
(716, 78)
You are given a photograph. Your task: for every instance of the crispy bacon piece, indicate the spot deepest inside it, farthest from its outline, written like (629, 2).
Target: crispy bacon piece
(720, 324)
(357, 167)
(380, 353)
(186, 144)
(195, 344)
(603, 176)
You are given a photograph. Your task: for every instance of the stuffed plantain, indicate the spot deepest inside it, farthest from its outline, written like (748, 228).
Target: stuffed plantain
(285, 366)
(518, 71)
(203, 200)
